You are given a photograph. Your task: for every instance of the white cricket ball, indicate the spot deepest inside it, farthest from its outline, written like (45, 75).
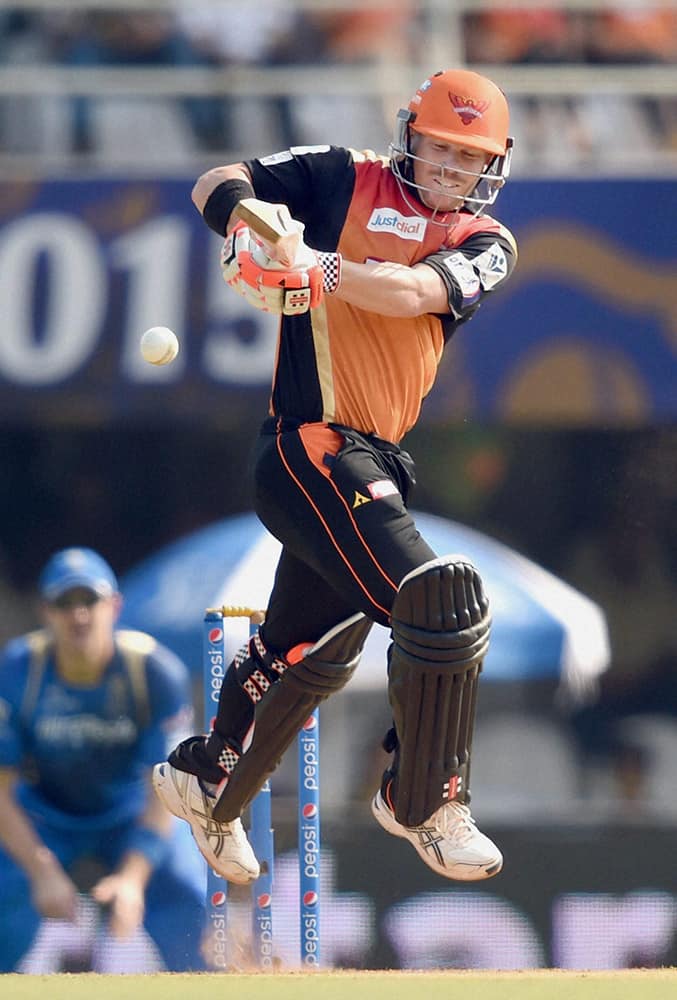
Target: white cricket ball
(159, 345)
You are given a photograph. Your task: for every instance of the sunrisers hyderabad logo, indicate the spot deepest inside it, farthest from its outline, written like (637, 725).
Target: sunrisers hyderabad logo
(467, 109)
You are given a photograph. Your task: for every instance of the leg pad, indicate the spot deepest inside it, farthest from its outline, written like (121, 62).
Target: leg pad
(441, 623)
(325, 667)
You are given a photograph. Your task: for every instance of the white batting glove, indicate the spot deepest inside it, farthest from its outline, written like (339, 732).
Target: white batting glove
(305, 257)
(266, 284)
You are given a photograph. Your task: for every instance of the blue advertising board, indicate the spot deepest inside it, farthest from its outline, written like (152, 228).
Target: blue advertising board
(585, 332)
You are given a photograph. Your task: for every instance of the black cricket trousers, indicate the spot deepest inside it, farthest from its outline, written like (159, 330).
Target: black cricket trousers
(336, 500)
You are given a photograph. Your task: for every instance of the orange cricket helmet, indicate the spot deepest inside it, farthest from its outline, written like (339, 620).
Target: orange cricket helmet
(458, 105)
(455, 106)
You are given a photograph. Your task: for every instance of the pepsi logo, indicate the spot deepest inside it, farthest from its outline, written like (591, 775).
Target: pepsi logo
(264, 900)
(309, 898)
(215, 634)
(218, 898)
(310, 723)
(309, 810)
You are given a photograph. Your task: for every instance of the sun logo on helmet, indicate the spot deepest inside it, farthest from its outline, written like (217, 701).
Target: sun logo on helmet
(467, 109)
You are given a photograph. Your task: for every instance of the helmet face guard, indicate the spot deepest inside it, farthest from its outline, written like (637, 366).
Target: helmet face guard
(462, 108)
(488, 182)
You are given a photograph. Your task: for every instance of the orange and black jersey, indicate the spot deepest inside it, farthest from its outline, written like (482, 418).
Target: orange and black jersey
(340, 364)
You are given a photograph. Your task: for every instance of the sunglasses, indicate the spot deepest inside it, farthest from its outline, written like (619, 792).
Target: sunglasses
(68, 601)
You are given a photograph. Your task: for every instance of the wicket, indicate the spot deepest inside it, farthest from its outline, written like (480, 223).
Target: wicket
(261, 832)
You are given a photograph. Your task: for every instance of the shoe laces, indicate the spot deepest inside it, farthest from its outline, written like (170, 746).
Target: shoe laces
(453, 820)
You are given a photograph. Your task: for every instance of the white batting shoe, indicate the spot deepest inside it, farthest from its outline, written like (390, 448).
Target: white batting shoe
(448, 842)
(224, 846)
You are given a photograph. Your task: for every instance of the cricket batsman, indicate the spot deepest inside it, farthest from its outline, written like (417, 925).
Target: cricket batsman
(372, 263)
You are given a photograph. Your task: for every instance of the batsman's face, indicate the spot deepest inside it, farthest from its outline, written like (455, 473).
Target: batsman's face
(81, 621)
(446, 172)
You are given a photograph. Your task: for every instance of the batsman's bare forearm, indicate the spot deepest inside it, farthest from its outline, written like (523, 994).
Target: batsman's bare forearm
(393, 289)
(210, 180)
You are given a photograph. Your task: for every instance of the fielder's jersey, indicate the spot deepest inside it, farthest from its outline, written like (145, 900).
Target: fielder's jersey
(345, 365)
(83, 752)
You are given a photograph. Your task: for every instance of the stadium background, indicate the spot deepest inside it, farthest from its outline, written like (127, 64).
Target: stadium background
(552, 426)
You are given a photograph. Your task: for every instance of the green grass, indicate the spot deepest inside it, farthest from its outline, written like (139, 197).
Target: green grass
(638, 984)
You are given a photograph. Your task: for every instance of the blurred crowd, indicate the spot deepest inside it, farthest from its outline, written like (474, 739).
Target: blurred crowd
(589, 127)
(583, 129)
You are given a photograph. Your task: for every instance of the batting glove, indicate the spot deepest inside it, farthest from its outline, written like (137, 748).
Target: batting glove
(266, 284)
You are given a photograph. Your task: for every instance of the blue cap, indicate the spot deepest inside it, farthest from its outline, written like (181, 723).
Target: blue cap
(72, 568)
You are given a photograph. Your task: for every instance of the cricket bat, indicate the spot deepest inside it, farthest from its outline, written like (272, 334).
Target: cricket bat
(274, 225)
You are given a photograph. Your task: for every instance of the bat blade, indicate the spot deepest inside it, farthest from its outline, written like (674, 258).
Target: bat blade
(274, 225)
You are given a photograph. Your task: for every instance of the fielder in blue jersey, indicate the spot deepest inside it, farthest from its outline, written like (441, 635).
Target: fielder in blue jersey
(85, 711)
